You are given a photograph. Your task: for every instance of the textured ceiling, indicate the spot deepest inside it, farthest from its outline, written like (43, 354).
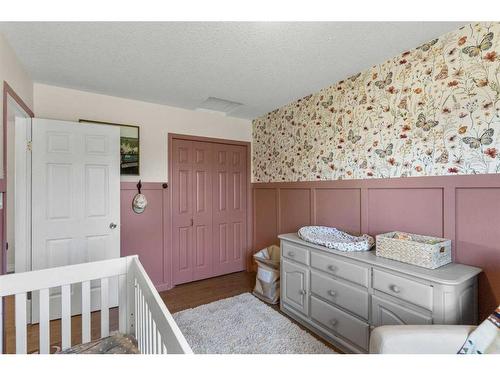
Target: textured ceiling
(261, 65)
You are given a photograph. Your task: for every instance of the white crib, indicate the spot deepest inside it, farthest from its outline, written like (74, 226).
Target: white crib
(141, 310)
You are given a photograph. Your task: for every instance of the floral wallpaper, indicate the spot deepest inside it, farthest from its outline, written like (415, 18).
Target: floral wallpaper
(433, 110)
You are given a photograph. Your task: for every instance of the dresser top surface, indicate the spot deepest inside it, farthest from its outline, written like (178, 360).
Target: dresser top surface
(451, 274)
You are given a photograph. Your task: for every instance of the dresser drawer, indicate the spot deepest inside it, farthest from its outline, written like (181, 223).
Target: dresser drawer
(388, 313)
(338, 322)
(340, 293)
(295, 252)
(348, 271)
(408, 290)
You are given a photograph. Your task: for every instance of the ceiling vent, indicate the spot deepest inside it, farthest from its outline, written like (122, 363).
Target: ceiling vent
(217, 105)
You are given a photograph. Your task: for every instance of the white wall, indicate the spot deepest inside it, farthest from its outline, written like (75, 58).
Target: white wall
(14, 74)
(155, 122)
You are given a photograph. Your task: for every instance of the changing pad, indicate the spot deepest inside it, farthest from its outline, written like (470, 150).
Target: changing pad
(336, 239)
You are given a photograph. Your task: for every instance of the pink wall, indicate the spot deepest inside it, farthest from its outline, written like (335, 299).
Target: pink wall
(465, 209)
(147, 234)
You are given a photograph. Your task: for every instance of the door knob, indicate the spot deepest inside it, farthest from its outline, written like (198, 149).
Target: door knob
(112, 225)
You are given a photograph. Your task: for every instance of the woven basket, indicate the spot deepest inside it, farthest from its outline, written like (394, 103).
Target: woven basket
(423, 251)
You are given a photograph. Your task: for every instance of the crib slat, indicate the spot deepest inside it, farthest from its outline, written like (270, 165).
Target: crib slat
(104, 308)
(44, 332)
(1, 325)
(20, 306)
(65, 317)
(138, 317)
(123, 321)
(85, 311)
(152, 333)
(148, 322)
(139, 312)
(158, 341)
(144, 326)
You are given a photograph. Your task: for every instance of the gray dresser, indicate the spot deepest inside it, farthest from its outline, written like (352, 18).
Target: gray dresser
(342, 296)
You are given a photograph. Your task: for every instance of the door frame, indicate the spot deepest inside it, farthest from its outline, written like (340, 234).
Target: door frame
(8, 91)
(247, 145)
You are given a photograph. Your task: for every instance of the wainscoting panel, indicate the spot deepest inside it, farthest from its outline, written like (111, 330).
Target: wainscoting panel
(478, 239)
(295, 209)
(465, 209)
(146, 234)
(339, 208)
(266, 209)
(408, 210)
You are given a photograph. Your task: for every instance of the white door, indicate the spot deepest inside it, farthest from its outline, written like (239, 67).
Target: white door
(75, 202)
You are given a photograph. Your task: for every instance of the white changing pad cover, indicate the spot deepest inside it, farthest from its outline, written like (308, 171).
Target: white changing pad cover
(336, 239)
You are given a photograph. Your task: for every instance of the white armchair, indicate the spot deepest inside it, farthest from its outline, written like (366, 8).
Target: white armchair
(419, 339)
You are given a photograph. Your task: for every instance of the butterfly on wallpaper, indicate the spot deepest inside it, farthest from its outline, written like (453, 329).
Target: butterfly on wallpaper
(355, 77)
(353, 138)
(443, 74)
(327, 103)
(289, 164)
(307, 146)
(384, 153)
(328, 159)
(289, 117)
(484, 140)
(403, 104)
(485, 44)
(426, 125)
(363, 165)
(427, 46)
(443, 158)
(386, 82)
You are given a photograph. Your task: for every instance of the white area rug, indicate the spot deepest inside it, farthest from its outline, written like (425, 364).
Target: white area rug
(244, 325)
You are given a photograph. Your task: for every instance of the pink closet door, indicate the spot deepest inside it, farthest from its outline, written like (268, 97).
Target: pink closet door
(191, 210)
(229, 212)
(182, 211)
(202, 210)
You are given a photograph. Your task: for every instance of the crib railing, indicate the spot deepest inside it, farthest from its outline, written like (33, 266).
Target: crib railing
(141, 312)
(155, 329)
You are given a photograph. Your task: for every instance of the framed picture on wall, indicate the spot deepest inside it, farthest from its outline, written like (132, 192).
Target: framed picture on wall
(129, 147)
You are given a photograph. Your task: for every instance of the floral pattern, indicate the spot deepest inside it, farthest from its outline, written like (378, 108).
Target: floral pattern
(434, 110)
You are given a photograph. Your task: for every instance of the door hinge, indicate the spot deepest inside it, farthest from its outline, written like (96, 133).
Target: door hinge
(29, 146)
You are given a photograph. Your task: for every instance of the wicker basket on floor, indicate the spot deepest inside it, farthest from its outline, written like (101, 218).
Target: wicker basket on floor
(424, 251)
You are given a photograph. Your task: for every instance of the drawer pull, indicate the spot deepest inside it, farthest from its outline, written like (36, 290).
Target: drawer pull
(395, 288)
(291, 254)
(332, 293)
(302, 292)
(332, 268)
(333, 322)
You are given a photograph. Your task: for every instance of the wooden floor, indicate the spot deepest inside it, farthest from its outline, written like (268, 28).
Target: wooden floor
(180, 298)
